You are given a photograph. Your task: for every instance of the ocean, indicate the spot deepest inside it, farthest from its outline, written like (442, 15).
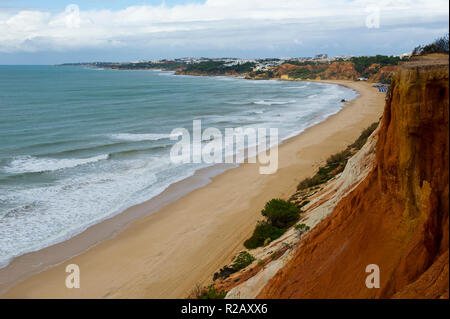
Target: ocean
(79, 145)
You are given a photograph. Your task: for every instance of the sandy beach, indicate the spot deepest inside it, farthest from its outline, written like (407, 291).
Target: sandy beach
(191, 234)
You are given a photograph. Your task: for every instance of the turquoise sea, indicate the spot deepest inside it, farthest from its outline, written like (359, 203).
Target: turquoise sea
(78, 145)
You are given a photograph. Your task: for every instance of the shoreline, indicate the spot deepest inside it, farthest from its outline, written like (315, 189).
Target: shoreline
(180, 225)
(30, 263)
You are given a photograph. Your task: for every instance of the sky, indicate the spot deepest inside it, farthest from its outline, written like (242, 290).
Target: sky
(61, 31)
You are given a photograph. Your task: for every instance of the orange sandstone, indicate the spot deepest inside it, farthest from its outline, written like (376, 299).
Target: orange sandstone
(397, 217)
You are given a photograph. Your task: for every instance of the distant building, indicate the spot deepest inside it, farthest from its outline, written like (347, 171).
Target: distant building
(362, 79)
(405, 55)
(321, 56)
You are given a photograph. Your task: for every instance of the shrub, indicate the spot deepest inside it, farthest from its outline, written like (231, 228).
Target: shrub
(211, 292)
(263, 231)
(362, 63)
(336, 163)
(362, 139)
(219, 67)
(301, 229)
(440, 45)
(242, 260)
(310, 182)
(225, 272)
(338, 158)
(280, 213)
(322, 176)
(306, 202)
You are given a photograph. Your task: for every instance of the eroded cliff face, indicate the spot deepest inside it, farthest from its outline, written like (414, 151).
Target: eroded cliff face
(382, 74)
(397, 218)
(332, 71)
(321, 202)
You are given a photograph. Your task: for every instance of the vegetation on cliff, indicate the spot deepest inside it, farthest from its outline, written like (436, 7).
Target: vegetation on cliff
(210, 292)
(167, 66)
(440, 45)
(280, 215)
(216, 68)
(335, 164)
(242, 260)
(368, 65)
(376, 68)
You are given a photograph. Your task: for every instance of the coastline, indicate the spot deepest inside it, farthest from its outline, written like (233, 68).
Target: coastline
(192, 234)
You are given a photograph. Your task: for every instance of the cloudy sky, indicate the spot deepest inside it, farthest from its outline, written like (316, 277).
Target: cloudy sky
(57, 31)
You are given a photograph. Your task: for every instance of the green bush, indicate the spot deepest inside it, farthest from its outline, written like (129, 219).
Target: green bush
(280, 213)
(225, 272)
(338, 158)
(303, 63)
(219, 67)
(323, 175)
(440, 45)
(302, 227)
(336, 163)
(311, 181)
(362, 139)
(306, 73)
(362, 63)
(242, 260)
(211, 292)
(263, 231)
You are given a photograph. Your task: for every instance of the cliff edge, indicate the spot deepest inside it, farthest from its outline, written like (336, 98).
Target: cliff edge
(397, 217)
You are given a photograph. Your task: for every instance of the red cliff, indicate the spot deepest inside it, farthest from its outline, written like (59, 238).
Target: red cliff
(397, 218)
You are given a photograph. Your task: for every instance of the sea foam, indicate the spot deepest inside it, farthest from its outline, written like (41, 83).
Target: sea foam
(141, 137)
(31, 164)
(267, 102)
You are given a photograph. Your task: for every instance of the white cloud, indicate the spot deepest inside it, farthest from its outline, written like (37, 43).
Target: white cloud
(216, 23)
